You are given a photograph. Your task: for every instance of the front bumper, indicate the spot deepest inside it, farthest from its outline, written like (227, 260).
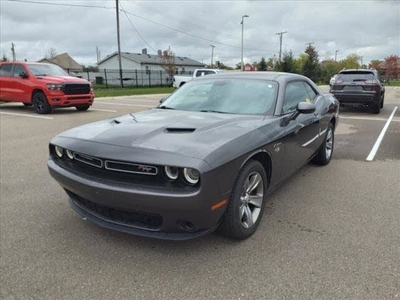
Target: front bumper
(159, 213)
(59, 99)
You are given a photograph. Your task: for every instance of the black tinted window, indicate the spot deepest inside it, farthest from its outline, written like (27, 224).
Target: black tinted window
(356, 76)
(5, 70)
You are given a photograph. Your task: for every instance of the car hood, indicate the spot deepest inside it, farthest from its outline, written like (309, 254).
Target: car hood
(191, 134)
(61, 79)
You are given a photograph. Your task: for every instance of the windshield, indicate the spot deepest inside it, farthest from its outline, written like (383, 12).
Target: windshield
(234, 96)
(43, 70)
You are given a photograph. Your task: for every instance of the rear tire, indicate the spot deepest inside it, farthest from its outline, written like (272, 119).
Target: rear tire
(246, 203)
(40, 103)
(325, 152)
(376, 109)
(82, 107)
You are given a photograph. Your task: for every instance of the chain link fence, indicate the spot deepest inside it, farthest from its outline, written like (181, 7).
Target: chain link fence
(110, 78)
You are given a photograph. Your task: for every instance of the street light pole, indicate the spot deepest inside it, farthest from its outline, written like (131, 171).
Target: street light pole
(336, 54)
(212, 55)
(241, 65)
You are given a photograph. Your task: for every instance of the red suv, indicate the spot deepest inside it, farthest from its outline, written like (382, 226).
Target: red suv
(44, 86)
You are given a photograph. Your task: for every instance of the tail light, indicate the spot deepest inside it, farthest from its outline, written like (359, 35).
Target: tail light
(371, 81)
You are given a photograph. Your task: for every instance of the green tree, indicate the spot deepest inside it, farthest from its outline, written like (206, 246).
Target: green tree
(270, 63)
(352, 61)
(310, 67)
(262, 65)
(4, 58)
(238, 66)
(300, 62)
(287, 64)
(327, 69)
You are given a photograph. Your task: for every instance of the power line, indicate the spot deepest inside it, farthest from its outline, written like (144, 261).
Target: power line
(195, 36)
(184, 21)
(140, 36)
(61, 4)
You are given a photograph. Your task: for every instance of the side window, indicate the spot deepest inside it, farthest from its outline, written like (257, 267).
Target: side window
(5, 70)
(18, 69)
(295, 93)
(310, 91)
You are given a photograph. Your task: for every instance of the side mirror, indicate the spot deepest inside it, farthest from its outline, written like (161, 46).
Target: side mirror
(305, 108)
(302, 108)
(163, 99)
(23, 75)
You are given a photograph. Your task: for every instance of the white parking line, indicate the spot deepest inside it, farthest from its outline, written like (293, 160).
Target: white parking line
(123, 104)
(380, 138)
(367, 119)
(24, 115)
(106, 110)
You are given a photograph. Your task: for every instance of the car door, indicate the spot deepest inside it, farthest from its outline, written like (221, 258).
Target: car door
(20, 84)
(302, 133)
(5, 82)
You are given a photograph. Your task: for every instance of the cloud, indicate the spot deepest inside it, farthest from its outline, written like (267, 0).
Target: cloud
(369, 28)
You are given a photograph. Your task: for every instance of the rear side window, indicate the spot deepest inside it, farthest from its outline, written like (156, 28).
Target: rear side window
(5, 70)
(356, 76)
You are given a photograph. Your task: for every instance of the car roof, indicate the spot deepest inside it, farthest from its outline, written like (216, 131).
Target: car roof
(358, 70)
(276, 76)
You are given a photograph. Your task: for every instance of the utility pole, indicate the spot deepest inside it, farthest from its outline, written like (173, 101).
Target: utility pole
(212, 55)
(280, 47)
(336, 54)
(119, 46)
(97, 54)
(309, 44)
(241, 66)
(13, 52)
(361, 58)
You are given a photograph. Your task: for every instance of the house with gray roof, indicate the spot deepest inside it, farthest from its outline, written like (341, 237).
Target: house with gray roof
(147, 62)
(64, 61)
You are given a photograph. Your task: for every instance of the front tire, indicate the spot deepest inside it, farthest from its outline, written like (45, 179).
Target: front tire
(246, 204)
(82, 107)
(325, 152)
(40, 103)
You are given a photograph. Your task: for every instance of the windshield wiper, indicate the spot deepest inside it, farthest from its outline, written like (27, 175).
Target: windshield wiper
(41, 75)
(165, 107)
(359, 79)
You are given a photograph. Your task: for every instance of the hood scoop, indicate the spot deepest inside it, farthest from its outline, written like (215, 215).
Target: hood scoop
(179, 130)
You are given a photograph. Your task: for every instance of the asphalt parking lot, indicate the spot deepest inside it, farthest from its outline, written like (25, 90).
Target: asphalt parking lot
(328, 233)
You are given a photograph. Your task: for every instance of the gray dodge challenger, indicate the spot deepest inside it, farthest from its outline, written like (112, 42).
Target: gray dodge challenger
(207, 157)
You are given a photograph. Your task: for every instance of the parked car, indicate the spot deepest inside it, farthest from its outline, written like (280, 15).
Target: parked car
(45, 86)
(178, 81)
(359, 87)
(332, 80)
(207, 157)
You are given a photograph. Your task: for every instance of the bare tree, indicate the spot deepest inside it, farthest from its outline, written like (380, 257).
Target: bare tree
(167, 62)
(51, 53)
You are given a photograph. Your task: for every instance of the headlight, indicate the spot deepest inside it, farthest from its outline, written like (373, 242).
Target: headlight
(70, 154)
(192, 176)
(54, 87)
(171, 172)
(59, 151)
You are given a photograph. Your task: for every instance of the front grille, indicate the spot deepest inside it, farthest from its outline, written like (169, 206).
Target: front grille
(128, 218)
(76, 89)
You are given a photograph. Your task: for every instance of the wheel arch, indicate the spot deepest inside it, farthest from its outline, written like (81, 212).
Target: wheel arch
(36, 90)
(264, 157)
(333, 121)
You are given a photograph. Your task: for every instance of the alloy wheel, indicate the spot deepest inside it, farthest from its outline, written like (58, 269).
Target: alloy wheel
(251, 199)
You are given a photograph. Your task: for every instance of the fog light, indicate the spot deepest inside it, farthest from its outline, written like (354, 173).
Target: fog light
(70, 154)
(59, 151)
(171, 172)
(192, 176)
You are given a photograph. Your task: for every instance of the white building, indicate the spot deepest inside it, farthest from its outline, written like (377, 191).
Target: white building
(147, 62)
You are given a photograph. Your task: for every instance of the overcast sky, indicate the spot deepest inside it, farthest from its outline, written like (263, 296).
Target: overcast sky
(369, 28)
